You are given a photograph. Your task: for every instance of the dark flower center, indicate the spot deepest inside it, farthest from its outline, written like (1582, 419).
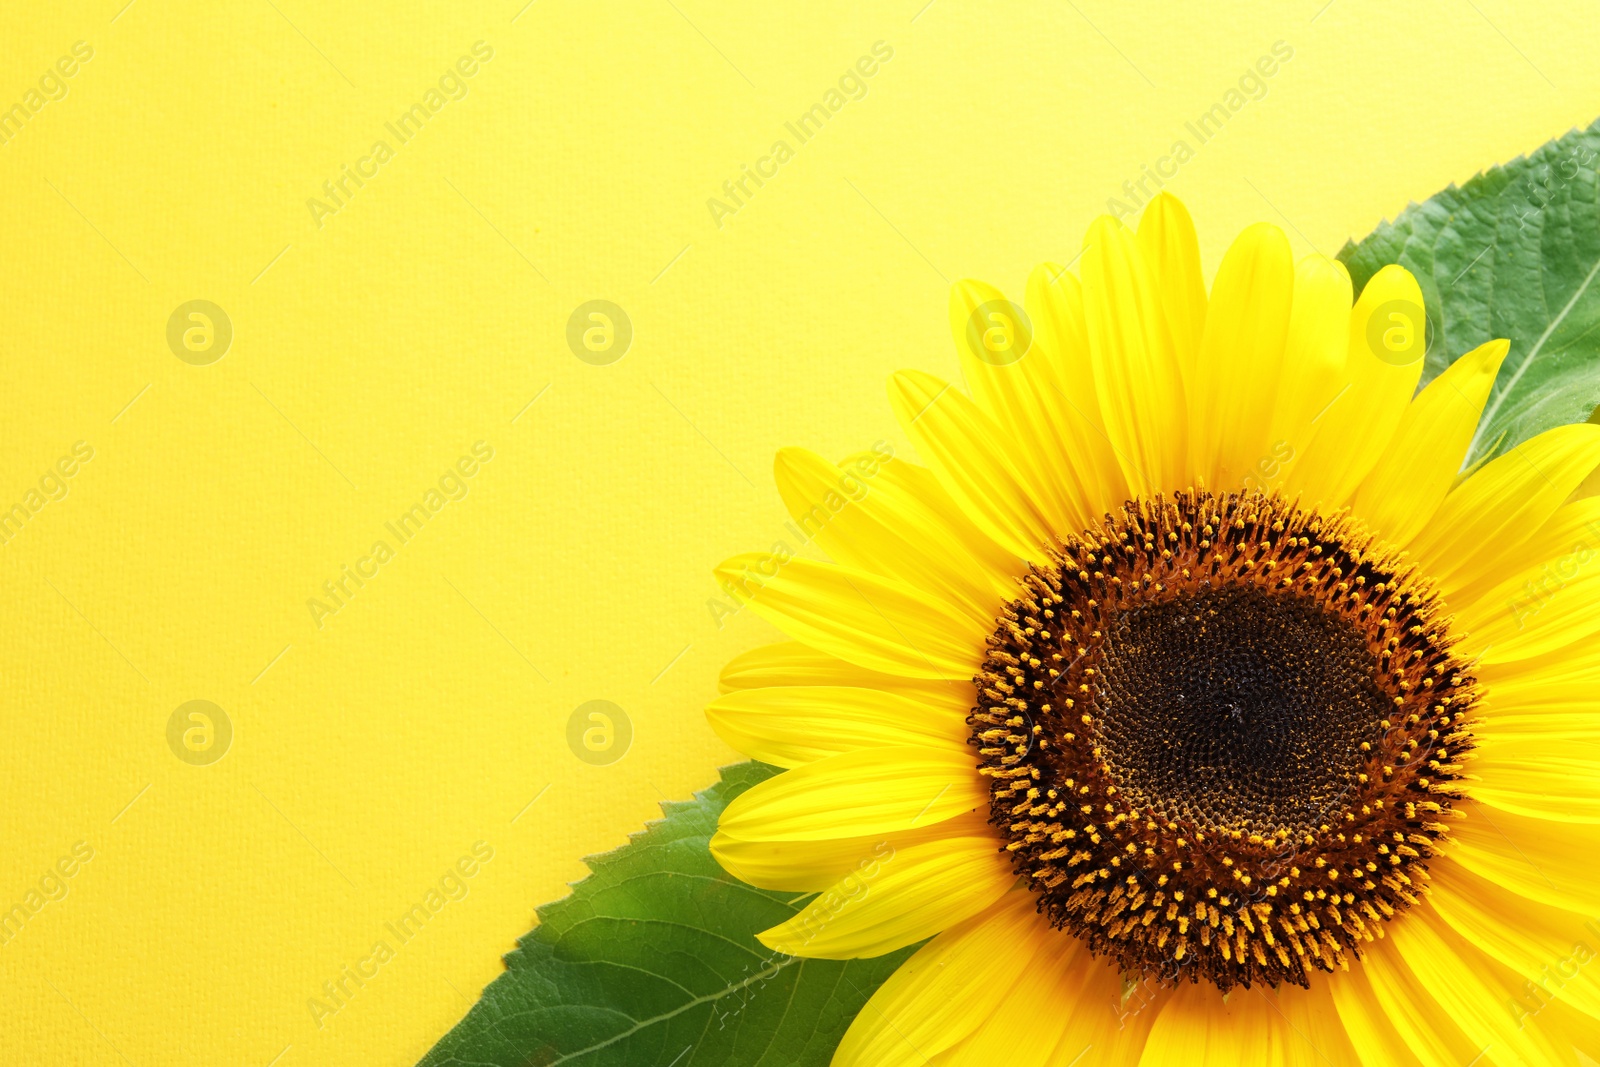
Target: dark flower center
(1224, 735)
(1237, 709)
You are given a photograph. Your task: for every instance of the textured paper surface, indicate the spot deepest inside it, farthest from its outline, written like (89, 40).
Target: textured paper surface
(380, 751)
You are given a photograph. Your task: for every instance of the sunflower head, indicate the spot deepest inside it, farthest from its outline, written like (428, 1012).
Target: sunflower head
(1160, 681)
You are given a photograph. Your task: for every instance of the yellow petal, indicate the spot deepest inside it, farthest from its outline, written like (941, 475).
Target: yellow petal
(1094, 1034)
(858, 523)
(1057, 1013)
(792, 725)
(919, 498)
(1551, 725)
(1136, 374)
(958, 441)
(1562, 680)
(1011, 380)
(1555, 779)
(1484, 522)
(1172, 253)
(1241, 357)
(1546, 861)
(1383, 334)
(1412, 477)
(792, 663)
(1550, 602)
(1061, 333)
(1432, 1035)
(897, 898)
(1289, 1027)
(854, 794)
(811, 866)
(1573, 1029)
(1367, 1022)
(1471, 989)
(1314, 357)
(1538, 942)
(943, 992)
(873, 622)
(1024, 1030)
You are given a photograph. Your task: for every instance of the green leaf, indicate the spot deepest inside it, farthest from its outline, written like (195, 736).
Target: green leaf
(1513, 253)
(652, 961)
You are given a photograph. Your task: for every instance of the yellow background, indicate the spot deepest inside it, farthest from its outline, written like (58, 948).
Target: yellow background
(372, 351)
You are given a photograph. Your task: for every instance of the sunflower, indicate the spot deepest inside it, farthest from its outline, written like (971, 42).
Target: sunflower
(1190, 703)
